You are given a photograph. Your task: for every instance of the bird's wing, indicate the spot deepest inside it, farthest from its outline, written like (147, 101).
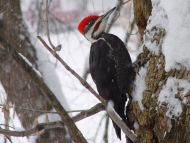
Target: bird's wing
(102, 68)
(122, 59)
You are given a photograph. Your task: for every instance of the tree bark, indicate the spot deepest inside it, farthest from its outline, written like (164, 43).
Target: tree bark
(154, 125)
(142, 11)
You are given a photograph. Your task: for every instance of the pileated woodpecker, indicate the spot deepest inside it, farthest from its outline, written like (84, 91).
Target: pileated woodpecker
(110, 63)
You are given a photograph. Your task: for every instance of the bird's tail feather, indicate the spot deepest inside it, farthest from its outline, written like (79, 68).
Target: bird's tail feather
(117, 130)
(119, 108)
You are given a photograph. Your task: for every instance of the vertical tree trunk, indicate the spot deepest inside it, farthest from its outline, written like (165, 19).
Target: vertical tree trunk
(142, 11)
(154, 123)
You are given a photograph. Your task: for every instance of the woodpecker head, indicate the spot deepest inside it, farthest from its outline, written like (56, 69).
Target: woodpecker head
(92, 26)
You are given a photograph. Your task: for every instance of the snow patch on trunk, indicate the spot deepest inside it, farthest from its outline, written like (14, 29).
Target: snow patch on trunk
(140, 86)
(173, 96)
(176, 44)
(173, 16)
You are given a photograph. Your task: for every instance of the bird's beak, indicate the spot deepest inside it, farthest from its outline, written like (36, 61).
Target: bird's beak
(107, 14)
(101, 23)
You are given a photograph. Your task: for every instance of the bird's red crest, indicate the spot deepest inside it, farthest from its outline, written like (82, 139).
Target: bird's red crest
(85, 21)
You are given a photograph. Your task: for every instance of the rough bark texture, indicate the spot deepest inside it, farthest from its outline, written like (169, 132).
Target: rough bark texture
(142, 11)
(22, 91)
(154, 125)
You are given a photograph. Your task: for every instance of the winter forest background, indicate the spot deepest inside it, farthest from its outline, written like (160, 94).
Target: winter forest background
(156, 34)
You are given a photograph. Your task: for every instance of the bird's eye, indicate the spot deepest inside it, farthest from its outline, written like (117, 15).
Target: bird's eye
(89, 25)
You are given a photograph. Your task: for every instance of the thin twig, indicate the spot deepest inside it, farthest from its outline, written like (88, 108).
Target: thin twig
(9, 139)
(7, 125)
(114, 16)
(128, 34)
(38, 128)
(29, 109)
(105, 137)
(38, 110)
(98, 128)
(56, 48)
(126, 2)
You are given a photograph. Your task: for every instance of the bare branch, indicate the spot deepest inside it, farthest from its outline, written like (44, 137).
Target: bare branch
(39, 110)
(114, 16)
(106, 130)
(98, 128)
(128, 34)
(58, 47)
(40, 128)
(126, 2)
(95, 109)
(29, 109)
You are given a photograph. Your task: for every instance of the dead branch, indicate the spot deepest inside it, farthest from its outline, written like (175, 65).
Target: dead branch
(114, 116)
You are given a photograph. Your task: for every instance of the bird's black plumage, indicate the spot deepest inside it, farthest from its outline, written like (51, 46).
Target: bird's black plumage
(112, 71)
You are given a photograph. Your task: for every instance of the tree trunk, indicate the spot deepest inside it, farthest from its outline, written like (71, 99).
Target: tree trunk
(154, 123)
(21, 90)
